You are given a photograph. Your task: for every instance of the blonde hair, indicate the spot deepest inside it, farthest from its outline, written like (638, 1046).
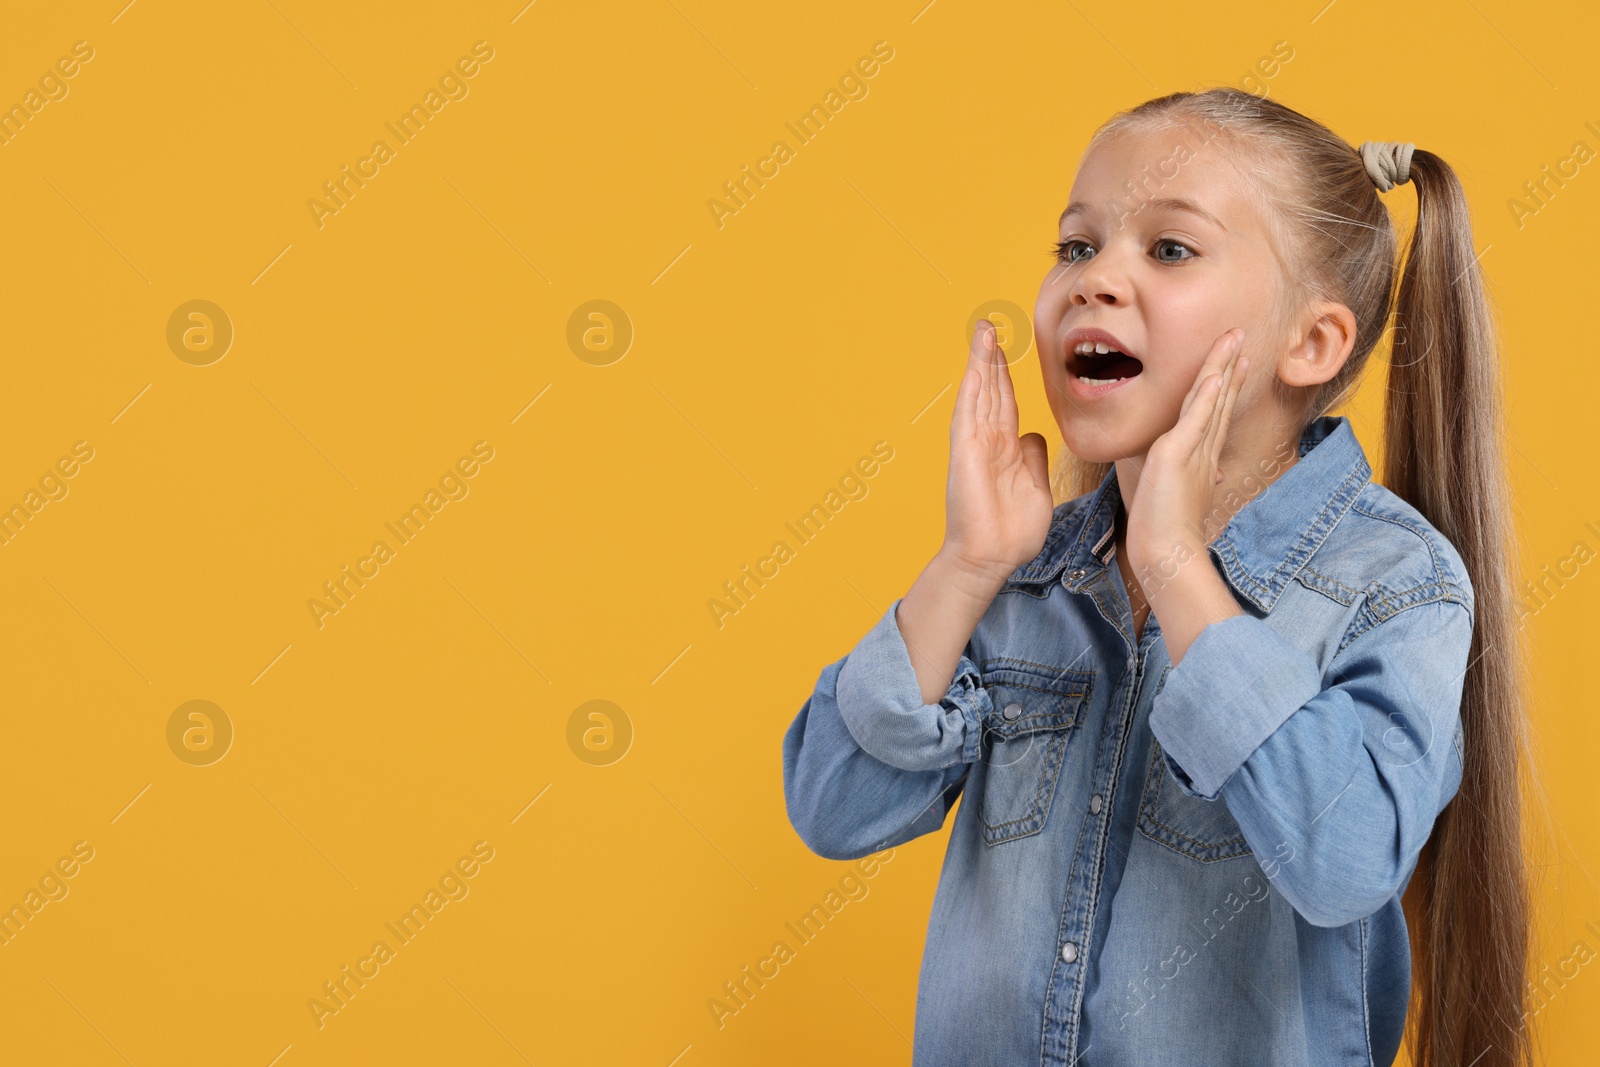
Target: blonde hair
(1468, 904)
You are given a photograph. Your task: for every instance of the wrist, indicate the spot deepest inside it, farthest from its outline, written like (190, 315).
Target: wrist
(1197, 592)
(1162, 563)
(1194, 600)
(981, 582)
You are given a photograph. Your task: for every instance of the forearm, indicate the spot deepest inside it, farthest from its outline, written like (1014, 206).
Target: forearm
(845, 802)
(1336, 787)
(938, 616)
(1186, 603)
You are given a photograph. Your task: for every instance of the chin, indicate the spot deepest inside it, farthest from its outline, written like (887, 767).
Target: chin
(1097, 445)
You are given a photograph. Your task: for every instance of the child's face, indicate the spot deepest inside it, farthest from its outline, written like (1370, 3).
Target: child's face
(1166, 283)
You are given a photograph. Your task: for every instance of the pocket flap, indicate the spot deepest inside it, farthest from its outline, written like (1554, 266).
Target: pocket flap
(1029, 697)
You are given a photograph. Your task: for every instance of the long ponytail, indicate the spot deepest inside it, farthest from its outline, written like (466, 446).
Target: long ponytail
(1443, 433)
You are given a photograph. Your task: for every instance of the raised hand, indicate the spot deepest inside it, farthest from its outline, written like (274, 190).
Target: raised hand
(1166, 520)
(997, 501)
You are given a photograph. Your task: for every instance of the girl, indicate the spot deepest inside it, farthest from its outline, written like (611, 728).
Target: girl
(1211, 714)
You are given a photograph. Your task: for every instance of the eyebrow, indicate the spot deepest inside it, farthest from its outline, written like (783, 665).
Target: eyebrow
(1169, 203)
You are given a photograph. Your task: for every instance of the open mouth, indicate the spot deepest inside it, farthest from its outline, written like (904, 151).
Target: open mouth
(1098, 364)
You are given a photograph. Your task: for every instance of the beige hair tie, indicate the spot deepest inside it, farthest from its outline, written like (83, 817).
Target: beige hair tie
(1388, 163)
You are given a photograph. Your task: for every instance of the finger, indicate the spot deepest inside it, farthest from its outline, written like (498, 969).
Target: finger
(1210, 449)
(972, 398)
(1209, 442)
(991, 378)
(1221, 351)
(1190, 432)
(1005, 393)
(1035, 455)
(1227, 346)
(1208, 439)
(1227, 408)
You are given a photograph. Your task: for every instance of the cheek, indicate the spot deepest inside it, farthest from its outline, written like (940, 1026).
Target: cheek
(1255, 385)
(1165, 393)
(1182, 376)
(1188, 319)
(1055, 388)
(1047, 308)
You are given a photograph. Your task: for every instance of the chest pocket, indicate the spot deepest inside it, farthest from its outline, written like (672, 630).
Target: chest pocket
(1035, 710)
(1200, 829)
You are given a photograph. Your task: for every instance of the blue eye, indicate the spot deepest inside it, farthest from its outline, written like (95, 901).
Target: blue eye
(1062, 250)
(1062, 253)
(1178, 244)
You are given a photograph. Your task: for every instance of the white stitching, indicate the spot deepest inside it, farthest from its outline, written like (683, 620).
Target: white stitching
(1366, 1021)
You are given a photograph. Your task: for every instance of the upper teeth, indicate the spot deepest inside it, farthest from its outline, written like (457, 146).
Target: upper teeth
(1097, 347)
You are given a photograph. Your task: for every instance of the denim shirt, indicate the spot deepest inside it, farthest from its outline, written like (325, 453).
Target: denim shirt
(1157, 865)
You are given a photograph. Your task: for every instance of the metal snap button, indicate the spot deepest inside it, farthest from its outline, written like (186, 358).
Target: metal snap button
(1069, 952)
(1075, 575)
(1094, 804)
(1012, 712)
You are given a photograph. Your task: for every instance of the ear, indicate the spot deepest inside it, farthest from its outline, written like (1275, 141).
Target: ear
(1319, 351)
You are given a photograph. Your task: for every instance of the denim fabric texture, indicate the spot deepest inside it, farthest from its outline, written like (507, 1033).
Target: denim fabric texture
(1156, 865)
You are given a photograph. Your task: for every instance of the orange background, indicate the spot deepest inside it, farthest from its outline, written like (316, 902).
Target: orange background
(641, 858)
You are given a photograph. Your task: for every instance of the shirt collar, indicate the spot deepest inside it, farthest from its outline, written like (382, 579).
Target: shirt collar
(1262, 548)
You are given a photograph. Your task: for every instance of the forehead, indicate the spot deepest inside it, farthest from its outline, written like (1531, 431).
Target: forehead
(1179, 171)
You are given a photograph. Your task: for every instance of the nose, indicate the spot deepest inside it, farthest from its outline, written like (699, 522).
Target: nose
(1099, 281)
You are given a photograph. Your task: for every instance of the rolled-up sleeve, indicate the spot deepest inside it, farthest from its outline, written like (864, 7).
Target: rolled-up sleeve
(881, 703)
(865, 765)
(1335, 782)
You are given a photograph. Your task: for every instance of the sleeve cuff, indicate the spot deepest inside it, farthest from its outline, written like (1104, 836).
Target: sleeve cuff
(1238, 682)
(880, 702)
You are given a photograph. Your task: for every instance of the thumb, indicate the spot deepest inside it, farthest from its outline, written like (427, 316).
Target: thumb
(1035, 454)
